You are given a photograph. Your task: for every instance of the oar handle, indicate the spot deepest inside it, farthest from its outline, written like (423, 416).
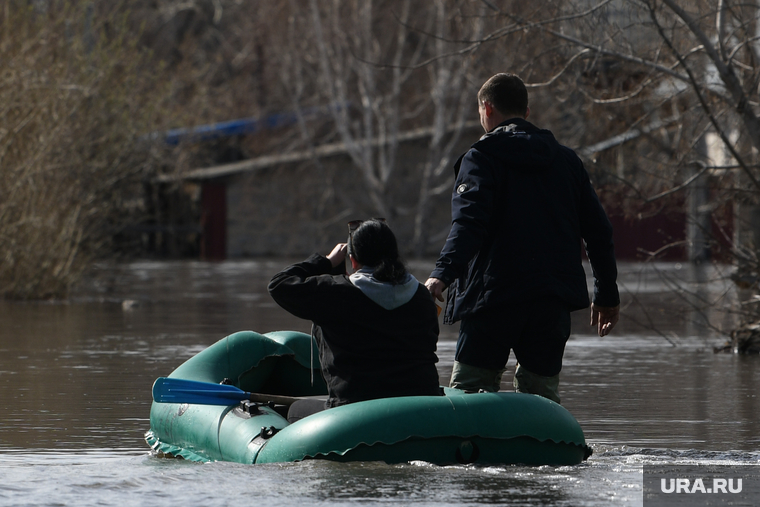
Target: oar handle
(274, 398)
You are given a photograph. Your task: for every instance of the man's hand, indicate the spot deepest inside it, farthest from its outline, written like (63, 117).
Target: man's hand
(605, 318)
(436, 288)
(338, 254)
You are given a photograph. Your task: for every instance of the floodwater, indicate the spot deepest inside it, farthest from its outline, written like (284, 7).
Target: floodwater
(76, 376)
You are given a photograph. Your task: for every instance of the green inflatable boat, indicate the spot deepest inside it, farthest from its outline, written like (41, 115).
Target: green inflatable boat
(481, 428)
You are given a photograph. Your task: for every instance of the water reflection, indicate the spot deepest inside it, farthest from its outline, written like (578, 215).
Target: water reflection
(677, 301)
(654, 396)
(460, 485)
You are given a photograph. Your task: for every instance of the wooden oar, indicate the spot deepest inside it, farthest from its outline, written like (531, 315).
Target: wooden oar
(176, 390)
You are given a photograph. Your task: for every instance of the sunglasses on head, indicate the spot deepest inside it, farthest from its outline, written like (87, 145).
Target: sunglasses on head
(354, 224)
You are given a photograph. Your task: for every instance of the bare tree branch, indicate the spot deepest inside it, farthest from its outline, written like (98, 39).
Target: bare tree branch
(729, 78)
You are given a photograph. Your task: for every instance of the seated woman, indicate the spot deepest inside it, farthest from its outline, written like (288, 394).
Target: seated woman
(376, 329)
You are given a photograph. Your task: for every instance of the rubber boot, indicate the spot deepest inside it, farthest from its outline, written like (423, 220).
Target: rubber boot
(531, 383)
(473, 378)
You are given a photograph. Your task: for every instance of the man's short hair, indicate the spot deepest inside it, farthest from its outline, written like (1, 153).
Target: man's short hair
(506, 93)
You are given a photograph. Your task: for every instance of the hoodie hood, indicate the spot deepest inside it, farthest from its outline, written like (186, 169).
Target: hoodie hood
(521, 145)
(385, 294)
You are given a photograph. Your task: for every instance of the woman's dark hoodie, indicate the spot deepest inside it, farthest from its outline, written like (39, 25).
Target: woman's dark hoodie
(376, 339)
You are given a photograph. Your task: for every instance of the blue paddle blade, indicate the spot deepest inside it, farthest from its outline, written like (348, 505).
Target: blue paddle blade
(175, 390)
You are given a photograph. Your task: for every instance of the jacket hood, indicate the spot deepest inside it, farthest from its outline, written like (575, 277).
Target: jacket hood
(385, 294)
(520, 145)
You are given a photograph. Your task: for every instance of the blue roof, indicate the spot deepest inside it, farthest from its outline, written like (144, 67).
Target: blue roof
(235, 127)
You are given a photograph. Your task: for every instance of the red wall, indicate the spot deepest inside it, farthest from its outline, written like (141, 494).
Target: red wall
(662, 229)
(214, 221)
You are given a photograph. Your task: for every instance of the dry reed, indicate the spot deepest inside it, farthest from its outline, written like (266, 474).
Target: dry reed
(75, 98)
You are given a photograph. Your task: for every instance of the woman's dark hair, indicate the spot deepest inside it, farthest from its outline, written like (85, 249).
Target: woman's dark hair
(374, 245)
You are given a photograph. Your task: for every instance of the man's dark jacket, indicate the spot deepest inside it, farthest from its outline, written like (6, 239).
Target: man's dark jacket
(521, 207)
(366, 351)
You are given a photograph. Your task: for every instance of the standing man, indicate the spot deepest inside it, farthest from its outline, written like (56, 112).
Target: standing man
(521, 207)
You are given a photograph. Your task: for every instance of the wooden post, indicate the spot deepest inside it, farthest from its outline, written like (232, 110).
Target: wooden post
(698, 216)
(214, 221)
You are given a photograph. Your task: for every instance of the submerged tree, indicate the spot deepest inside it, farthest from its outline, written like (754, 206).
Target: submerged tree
(72, 110)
